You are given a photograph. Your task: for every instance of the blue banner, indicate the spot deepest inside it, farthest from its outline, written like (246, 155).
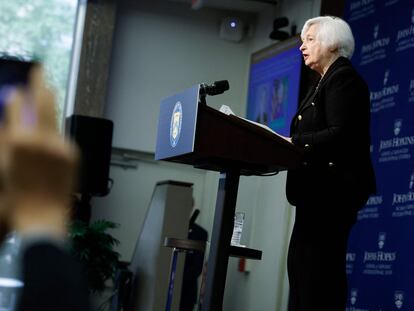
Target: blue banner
(380, 258)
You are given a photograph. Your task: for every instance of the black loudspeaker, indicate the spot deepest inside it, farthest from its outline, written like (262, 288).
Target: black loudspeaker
(94, 138)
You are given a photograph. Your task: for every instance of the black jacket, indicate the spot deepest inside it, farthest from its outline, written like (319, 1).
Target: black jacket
(332, 124)
(53, 280)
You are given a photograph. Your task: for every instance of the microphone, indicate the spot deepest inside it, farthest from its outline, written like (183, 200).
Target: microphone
(218, 87)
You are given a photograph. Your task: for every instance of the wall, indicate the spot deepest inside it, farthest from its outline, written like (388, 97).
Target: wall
(130, 197)
(163, 48)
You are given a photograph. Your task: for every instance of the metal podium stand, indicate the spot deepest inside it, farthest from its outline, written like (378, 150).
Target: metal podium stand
(179, 246)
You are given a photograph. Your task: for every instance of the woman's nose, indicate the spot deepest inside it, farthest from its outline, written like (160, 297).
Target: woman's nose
(302, 47)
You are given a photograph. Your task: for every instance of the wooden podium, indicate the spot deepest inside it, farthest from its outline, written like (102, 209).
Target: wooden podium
(193, 133)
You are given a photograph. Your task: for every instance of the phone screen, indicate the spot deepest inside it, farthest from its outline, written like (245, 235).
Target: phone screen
(13, 73)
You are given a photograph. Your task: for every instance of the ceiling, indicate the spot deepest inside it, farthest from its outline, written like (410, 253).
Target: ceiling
(237, 5)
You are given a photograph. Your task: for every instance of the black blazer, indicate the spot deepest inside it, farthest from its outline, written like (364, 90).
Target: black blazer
(332, 124)
(53, 280)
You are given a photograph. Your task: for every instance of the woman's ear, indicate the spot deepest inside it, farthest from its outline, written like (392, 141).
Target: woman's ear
(334, 49)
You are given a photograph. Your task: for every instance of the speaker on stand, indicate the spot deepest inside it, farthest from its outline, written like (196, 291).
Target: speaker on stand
(93, 136)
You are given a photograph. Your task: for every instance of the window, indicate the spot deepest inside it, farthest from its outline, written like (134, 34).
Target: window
(43, 29)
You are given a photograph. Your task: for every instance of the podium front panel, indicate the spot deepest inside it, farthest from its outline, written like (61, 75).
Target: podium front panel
(177, 124)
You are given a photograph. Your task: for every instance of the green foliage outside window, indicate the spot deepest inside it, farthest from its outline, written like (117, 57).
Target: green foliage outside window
(43, 29)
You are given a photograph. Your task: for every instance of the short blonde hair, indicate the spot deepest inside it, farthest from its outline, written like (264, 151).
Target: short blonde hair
(332, 32)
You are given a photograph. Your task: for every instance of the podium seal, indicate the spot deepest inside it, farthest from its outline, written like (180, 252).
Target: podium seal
(175, 125)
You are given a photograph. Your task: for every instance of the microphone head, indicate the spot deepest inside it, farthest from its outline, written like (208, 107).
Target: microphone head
(221, 86)
(216, 88)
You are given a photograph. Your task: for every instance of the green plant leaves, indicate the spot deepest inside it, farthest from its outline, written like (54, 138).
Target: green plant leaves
(94, 247)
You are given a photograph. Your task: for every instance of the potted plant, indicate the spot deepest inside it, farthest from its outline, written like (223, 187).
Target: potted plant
(94, 247)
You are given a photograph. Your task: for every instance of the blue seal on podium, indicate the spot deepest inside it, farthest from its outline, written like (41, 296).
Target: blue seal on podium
(175, 125)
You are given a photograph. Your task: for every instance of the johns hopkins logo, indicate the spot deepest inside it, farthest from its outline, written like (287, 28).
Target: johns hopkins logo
(376, 30)
(397, 126)
(175, 125)
(399, 298)
(380, 255)
(386, 75)
(354, 296)
(381, 239)
(411, 186)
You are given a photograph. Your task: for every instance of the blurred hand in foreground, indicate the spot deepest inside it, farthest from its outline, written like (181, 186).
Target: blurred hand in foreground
(37, 166)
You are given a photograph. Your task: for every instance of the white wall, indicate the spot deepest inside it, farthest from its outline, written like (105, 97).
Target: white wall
(163, 48)
(160, 49)
(130, 197)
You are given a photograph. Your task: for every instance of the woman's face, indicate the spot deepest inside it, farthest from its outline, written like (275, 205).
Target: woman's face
(316, 55)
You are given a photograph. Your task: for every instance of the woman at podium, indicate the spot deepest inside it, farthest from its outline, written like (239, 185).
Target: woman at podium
(332, 125)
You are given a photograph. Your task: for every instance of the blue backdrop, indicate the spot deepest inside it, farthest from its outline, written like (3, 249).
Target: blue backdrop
(380, 258)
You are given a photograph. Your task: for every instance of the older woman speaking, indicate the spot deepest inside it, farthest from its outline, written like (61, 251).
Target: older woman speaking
(332, 125)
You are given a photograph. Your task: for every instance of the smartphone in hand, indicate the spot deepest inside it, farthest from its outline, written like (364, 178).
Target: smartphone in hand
(13, 73)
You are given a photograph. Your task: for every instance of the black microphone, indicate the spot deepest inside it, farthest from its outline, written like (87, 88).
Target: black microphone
(218, 87)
